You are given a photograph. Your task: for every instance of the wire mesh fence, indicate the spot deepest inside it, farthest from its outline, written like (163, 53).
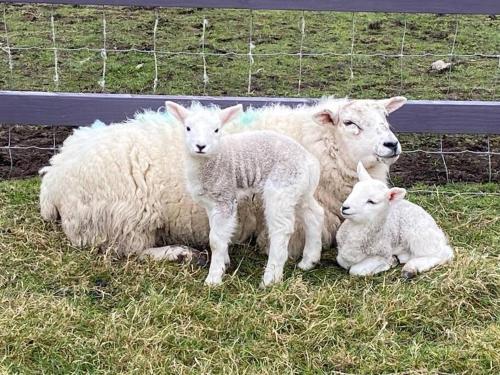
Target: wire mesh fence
(249, 52)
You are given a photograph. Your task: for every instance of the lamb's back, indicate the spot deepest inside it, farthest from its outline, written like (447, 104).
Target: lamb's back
(255, 157)
(407, 220)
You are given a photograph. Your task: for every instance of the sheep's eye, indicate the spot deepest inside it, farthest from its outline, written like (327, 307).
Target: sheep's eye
(188, 128)
(216, 130)
(350, 123)
(370, 201)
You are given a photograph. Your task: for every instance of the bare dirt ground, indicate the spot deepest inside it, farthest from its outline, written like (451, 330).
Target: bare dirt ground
(413, 167)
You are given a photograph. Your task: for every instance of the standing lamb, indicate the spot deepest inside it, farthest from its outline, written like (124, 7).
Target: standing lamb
(380, 226)
(122, 187)
(221, 169)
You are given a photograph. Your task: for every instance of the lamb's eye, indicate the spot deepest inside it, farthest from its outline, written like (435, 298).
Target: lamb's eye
(188, 128)
(370, 201)
(216, 130)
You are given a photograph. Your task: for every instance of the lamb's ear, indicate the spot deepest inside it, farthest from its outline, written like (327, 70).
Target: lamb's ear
(362, 172)
(326, 117)
(394, 103)
(230, 113)
(396, 194)
(177, 110)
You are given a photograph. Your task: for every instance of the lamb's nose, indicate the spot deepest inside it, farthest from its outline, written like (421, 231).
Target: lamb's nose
(392, 145)
(201, 147)
(345, 208)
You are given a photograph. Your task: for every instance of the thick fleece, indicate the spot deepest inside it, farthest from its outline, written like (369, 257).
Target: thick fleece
(123, 186)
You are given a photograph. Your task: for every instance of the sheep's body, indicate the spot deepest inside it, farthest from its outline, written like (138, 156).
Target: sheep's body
(123, 186)
(391, 229)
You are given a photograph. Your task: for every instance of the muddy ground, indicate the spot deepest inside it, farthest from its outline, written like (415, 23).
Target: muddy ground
(32, 147)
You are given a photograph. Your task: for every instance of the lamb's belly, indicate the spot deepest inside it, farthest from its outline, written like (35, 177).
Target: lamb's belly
(245, 193)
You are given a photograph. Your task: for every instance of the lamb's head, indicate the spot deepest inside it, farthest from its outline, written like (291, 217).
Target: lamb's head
(202, 125)
(362, 130)
(369, 199)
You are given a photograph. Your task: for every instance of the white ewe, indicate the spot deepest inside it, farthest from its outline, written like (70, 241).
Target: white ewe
(122, 186)
(220, 169)
(380, 226)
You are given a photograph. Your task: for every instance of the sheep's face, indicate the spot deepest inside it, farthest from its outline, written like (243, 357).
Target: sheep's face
(202, 126)
(362, 128)
(369, 199)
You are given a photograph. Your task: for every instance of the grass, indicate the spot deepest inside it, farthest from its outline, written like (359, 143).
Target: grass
(68, 310)
(475, 47)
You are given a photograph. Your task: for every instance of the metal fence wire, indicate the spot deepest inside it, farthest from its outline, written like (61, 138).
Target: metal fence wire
(482, 154)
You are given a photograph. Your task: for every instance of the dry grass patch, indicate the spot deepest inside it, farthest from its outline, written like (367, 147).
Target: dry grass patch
(68, 310)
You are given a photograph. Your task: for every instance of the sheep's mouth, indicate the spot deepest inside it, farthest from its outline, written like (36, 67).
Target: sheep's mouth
(388, 159)
(391, 156)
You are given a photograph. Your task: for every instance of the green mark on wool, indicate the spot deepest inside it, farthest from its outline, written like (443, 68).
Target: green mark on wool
(248, 117)
(156, 116)
(98, 124)
(170, 119)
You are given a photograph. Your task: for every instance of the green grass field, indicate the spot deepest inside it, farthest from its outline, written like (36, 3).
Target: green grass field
(68, 310)
(475, 48)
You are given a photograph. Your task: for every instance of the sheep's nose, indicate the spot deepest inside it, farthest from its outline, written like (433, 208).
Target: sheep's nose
(201, 147)
(392, 146)
(345, 208)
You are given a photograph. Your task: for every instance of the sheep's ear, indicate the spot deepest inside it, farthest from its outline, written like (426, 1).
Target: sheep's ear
(177, 110)
(362, 172)
(394, 103)
(230, 113)
(326, 117)
(396, 194)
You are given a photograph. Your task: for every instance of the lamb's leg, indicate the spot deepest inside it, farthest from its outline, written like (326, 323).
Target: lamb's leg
(280, 218)
(313, 217)
(343, 262)
(221, 229)
(403, 258)
(371, 266)
(422, 264)
(176, 253)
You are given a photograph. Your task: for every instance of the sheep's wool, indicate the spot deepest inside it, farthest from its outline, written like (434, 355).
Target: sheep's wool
(123, 186)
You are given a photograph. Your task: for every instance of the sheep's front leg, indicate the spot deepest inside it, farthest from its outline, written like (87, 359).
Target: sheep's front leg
(372, 265)
(222, 225)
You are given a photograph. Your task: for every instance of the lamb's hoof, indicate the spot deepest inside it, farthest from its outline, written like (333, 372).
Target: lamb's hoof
(269, 280)
(213, 281)
(306, 266)
(264, 285)
(408, 274)
(394, 261)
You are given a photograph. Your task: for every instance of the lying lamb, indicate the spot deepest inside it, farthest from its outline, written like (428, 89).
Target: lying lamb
(380, 226)
(222, 169)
